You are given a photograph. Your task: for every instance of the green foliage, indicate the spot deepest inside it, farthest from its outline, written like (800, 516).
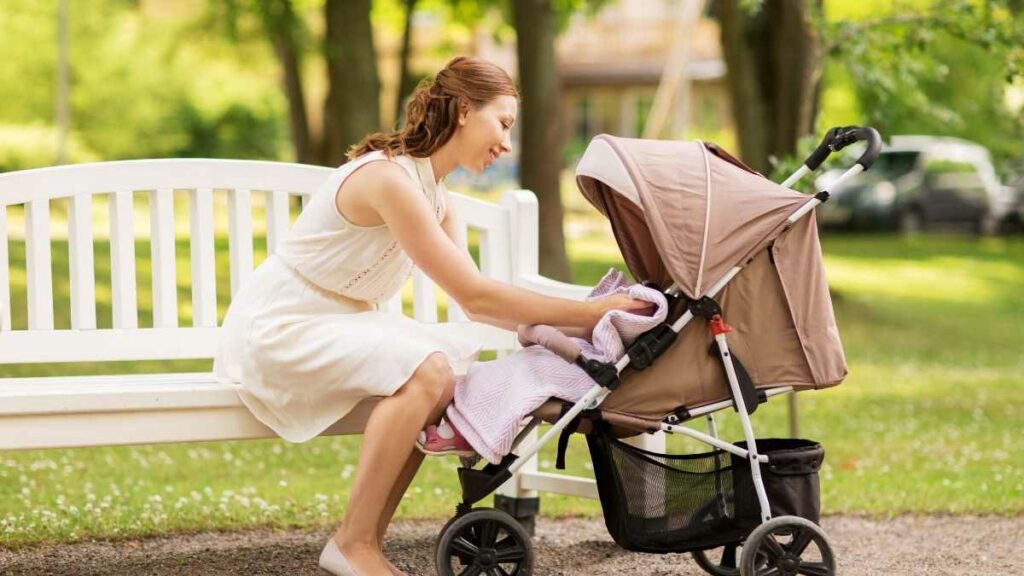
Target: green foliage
(931, 68)
(28, 146)
(140, 86)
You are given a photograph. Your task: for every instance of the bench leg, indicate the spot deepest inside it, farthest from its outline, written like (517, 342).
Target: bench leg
(523, 505)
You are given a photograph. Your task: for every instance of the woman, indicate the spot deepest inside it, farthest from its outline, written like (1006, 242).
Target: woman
(303, 337)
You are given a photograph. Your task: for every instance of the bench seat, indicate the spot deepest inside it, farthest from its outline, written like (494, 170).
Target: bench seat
(51, 412)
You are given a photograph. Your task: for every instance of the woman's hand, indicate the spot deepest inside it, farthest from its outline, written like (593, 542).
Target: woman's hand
(621, 302)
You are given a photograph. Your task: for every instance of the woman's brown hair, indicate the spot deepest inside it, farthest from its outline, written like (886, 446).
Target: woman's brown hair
(432, 113)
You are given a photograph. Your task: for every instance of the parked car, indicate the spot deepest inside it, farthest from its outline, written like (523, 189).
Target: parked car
(917, 183)
(1011, 211)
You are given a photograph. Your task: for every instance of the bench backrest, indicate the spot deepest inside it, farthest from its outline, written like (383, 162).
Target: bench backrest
(32, 202)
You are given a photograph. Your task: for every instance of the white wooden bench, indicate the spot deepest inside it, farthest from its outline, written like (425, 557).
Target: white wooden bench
(73, 411)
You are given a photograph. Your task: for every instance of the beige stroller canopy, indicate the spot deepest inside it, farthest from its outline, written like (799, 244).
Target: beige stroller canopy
(687, 213)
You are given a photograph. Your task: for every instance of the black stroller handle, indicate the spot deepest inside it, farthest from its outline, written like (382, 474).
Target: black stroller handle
(840, 137)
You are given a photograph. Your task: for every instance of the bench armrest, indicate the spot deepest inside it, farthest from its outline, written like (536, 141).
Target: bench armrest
(550, 287)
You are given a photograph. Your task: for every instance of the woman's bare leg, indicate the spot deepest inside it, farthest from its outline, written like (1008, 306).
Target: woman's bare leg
(387, 444)
(412, 465)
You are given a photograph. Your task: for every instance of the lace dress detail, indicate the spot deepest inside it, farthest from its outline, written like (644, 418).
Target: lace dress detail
(359, 262)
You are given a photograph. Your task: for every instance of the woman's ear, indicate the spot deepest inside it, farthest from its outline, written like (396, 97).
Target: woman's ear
(463, 111)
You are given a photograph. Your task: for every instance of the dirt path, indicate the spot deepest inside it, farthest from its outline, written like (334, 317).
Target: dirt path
(904, 545)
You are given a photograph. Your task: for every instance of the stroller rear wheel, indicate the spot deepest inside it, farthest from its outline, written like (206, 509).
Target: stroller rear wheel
(486, 542)
(786, 546)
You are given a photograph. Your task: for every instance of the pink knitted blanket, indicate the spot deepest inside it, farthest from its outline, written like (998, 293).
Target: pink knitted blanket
(493, 398)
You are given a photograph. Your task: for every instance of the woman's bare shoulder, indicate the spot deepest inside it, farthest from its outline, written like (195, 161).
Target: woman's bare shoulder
(376, 180)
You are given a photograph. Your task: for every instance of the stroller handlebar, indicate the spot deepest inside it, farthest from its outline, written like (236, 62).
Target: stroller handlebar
(842, 136)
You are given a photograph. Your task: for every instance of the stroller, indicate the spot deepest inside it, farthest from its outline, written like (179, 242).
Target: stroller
(689, 217)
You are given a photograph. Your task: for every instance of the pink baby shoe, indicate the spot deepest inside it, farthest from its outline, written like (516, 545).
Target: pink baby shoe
(442, 440)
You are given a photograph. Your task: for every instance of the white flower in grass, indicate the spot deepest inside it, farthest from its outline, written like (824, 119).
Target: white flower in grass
(283, 483)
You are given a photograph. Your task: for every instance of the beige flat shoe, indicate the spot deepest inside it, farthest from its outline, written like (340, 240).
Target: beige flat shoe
(333, 561)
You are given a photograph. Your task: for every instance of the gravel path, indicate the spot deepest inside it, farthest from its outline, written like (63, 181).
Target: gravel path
(903, 545)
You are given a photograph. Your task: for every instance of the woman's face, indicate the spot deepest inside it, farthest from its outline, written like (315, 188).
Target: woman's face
(485, 132)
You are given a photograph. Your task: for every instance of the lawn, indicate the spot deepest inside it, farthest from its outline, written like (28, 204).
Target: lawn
(927, 422)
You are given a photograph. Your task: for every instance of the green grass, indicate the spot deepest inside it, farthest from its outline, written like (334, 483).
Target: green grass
(927, 422)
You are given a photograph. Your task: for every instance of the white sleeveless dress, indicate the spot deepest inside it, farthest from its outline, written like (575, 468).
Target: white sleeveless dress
(303, 341)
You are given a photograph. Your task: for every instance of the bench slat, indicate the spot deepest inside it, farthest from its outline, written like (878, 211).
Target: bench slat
(39, 280)
(240, 236)
(162, 254)
(424, 302)
(5, 274)
(122, 260)
(455, 312)
(278, 220)
(81, 260)
(151, 426)
(204, 279)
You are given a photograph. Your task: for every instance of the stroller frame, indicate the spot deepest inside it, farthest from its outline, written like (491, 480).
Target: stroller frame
(477, 484)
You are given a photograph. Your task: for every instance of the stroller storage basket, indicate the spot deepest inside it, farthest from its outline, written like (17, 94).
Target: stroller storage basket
(664, 503)
(790, 479)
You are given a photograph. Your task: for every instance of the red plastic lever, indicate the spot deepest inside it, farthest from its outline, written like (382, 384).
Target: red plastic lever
(718, 326)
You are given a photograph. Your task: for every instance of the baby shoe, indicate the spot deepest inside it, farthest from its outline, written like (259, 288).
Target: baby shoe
(442, 440)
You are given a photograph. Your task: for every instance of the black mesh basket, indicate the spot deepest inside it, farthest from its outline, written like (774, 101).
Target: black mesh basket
(790, 480)
(664, 503)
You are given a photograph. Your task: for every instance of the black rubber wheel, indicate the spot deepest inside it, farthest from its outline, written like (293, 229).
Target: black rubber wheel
(484, 542)
(787, 546)
(722, 561)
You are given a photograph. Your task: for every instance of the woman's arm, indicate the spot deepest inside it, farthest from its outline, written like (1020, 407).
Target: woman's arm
(453, 227)
(456, 232)
(410, 219)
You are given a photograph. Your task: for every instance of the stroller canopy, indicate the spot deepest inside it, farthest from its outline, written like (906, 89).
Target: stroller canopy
(700, 209)
(687, 212)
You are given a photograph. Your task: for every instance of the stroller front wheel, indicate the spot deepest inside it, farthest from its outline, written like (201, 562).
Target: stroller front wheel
(484, 541)
(721, 562)
(787, 545)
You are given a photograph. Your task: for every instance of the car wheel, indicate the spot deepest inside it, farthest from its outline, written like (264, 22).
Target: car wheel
(987, 225)
(911, 221)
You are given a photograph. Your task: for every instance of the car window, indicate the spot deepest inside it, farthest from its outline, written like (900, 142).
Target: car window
(940, 165)
(890, 165)
(947, 174)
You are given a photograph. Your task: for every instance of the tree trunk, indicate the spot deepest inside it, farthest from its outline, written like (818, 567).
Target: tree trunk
(405, 84)
(774, 60)
(352, 108)
(540, 151)
(281, 23)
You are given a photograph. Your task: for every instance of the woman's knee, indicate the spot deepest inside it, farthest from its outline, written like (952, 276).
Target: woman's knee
(434, 377)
